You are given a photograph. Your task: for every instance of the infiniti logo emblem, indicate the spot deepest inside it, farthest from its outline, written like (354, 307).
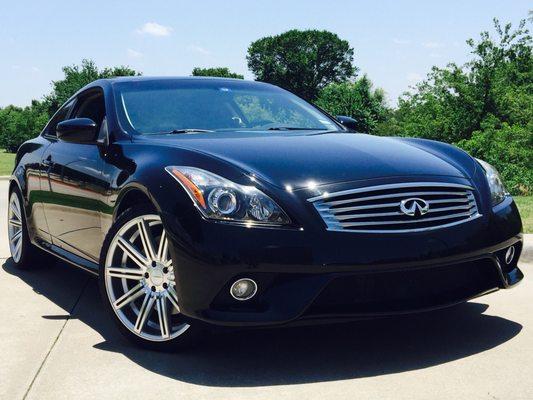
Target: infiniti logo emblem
(414, 206)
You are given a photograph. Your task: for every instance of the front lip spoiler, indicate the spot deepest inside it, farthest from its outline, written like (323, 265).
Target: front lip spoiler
(316, 319)
(245, 320)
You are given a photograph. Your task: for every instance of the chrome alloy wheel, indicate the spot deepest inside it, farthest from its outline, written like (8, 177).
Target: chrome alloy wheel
(14, 227)
(140, 282)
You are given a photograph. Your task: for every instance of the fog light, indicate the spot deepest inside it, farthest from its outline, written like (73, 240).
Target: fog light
(509, 255)
(243, 289)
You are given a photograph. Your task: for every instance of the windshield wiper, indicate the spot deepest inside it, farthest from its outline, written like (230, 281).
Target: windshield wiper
(188, 130)
(293, 128)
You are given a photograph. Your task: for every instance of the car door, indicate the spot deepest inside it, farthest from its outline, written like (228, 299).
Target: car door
(37, 178)
(75, 185)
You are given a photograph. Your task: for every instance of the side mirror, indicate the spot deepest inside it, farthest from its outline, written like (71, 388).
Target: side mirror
(77, 130)
(348, 122)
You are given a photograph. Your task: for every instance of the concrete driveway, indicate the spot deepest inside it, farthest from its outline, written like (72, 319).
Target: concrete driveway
(56, 343)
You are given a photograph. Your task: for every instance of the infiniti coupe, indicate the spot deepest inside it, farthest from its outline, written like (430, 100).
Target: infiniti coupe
(202, 201)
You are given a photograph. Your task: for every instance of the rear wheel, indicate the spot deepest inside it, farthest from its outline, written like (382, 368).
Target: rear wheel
(23, 252)
(137, 282)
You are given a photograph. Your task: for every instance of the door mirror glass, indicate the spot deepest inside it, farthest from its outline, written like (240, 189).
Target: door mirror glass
(348, 122)
(77, 130)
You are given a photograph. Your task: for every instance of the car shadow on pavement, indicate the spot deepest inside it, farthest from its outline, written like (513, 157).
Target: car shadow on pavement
(289, 356)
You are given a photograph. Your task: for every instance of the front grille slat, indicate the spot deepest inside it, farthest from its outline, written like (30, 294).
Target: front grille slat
(455, 208)
(463, 214)
(465, 200)
(353, 216)
(355, 211)
(410, 194)
(344, 209)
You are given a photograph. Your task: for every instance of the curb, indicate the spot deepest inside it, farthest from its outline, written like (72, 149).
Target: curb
(5, 177)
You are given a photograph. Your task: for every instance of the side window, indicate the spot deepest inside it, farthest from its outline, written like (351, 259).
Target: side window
(93, 107)
(61, 115)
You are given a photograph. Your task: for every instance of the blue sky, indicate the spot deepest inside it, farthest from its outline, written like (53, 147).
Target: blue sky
(395, 42)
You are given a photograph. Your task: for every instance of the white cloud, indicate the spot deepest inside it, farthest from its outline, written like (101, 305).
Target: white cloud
(154, 29)
(134, 53)
(432, 45)
(401, 41)
(198, 49)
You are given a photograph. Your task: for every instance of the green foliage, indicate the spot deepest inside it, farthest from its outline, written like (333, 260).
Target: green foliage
(220, 72)
(19, 124)
(76, 77)
(357, 100)
(509, 148)
(484, 106)
(303, 62)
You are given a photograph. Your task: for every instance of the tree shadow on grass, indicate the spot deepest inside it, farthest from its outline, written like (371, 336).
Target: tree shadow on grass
(289, 356)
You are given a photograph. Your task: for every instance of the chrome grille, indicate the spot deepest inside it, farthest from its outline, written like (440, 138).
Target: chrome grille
(377, 208)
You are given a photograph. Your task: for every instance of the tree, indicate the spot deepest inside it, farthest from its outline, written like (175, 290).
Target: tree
(77, 76)
(454, 101)
(484, 105)
(357, 100)
(303, 62)
(221, 72)
(20, 124)
(508, 148)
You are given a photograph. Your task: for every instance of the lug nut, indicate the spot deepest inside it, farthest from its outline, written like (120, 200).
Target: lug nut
(153, 288)
(165, 285)
(153, 264)
(165, 270)
(146, 275)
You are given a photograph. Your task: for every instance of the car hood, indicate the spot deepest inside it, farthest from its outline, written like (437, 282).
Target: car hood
(295, 158)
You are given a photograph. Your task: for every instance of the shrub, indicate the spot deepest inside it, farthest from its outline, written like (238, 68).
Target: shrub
(509, 148)
(357, 100)
(20, 124)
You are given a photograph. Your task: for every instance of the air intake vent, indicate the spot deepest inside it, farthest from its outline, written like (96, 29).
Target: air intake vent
(397, 208)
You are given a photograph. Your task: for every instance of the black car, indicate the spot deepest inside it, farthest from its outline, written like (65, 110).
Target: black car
(202, 201)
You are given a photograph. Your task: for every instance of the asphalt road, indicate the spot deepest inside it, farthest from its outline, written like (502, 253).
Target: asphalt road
(56, 343)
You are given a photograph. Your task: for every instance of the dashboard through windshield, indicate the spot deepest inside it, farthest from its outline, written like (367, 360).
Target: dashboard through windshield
(176, 107)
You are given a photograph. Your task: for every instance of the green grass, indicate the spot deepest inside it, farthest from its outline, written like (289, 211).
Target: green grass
(525, 205)
(7, 162)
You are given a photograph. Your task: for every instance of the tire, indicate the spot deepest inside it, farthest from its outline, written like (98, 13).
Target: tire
(24, 254)
(137, 283)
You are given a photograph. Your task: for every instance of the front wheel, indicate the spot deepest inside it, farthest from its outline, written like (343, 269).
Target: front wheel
(137, 283)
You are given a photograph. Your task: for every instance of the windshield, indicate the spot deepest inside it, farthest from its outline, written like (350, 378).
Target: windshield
(157, 107)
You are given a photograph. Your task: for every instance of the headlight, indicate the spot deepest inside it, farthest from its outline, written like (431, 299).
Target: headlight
(497, 190)
(221, 199)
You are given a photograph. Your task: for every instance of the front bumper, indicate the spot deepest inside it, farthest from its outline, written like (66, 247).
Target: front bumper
(315, 275)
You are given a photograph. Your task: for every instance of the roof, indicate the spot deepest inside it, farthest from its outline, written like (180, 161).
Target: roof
(109, 82)
(169, 78)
